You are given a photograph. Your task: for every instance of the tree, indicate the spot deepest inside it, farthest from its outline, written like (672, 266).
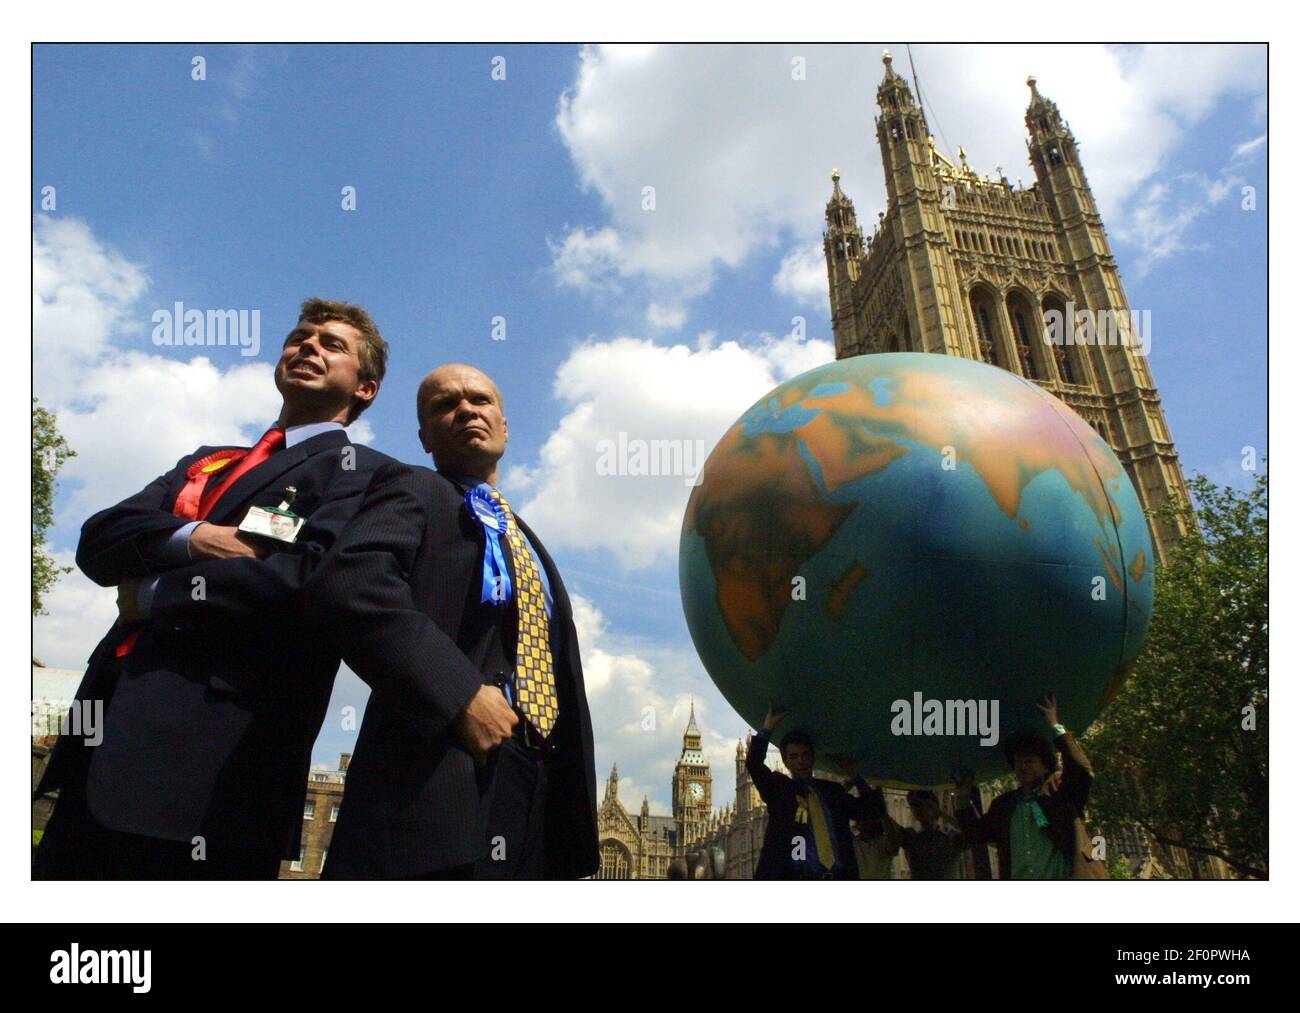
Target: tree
(1183, 750)
(49, 451)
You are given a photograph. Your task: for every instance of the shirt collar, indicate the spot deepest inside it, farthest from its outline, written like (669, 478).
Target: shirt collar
(297, 434)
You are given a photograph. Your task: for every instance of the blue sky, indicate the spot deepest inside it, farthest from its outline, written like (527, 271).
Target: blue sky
(523, 198)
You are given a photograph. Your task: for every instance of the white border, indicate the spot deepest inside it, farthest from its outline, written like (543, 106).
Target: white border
(517, 21)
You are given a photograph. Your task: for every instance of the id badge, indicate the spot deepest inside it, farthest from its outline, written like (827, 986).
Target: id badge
(279, 523)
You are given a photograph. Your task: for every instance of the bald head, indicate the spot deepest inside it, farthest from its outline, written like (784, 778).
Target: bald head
(462, 421)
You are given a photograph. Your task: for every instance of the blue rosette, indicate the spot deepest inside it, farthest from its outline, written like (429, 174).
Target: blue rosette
(492, 516)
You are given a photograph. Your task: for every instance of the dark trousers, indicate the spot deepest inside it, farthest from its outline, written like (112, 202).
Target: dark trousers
(516, 807)
(76, 846)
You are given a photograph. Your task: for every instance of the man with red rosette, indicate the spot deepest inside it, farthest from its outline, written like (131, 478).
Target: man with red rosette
(211, 695)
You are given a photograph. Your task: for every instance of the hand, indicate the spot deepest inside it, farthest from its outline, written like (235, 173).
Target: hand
(487, 721)
(215, 541)
(128, 602)
(1051, 784)
(1048, 707)
(774, 717)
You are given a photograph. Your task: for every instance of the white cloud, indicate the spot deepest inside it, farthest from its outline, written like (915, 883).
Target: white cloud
(1161, 215)
(586, 258)
(632, 391)
(738, 151)
(83, 294)
(80, 613)
(232, 75)
(802, 277)
(639, 712)
(1250, 148)
(665, 317)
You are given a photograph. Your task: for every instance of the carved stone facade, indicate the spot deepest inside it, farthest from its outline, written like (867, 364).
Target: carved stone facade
(639, 848)
(1023, 278)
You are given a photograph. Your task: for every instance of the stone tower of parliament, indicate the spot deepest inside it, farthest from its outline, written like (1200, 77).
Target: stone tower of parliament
(964, 265)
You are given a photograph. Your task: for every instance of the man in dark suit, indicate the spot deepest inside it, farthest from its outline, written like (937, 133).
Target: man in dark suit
(477, 760)
(808, 834)
(1038, 827)
(211, 694)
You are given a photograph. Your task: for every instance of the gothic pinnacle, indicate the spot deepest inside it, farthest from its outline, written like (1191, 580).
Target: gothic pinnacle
(836, 193)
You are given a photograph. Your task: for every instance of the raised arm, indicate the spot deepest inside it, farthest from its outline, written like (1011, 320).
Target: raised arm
(1076, 771)
(1076, 768)
(756, 759)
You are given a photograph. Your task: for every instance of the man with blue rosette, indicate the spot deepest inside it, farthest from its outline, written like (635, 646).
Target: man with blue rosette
(475, 761)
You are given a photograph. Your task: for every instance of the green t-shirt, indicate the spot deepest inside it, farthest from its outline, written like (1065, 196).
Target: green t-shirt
(1033, 855)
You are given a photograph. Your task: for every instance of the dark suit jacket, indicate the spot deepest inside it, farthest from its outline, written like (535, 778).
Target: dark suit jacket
(1064, 809)
(781, 796)
(209, 721)
(401, 595)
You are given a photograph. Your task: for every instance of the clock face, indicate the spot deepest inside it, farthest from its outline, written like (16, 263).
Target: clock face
(696, 791)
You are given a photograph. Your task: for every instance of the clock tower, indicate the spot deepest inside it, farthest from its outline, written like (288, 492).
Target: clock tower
(692, 788)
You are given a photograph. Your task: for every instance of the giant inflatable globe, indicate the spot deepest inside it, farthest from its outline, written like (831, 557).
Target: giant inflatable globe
(892, 546)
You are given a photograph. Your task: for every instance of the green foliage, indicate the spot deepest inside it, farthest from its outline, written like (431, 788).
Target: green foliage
(49, 451)
(1183, 750)
(1117, 865)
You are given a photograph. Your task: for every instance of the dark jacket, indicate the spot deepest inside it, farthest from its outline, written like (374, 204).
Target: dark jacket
(400, 594)
(209, 721)
(1064, 808)
(783, 796)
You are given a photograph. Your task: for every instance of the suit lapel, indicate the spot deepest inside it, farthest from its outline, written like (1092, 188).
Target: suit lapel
(232, 500)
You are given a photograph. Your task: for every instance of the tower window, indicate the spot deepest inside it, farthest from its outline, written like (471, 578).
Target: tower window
(1063, 364)
(1023, 339)
(984, 331)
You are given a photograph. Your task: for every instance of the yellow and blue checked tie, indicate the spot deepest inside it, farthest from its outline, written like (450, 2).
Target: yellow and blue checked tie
(534, 674)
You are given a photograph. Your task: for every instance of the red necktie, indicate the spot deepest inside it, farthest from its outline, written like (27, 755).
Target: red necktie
(271, 441)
